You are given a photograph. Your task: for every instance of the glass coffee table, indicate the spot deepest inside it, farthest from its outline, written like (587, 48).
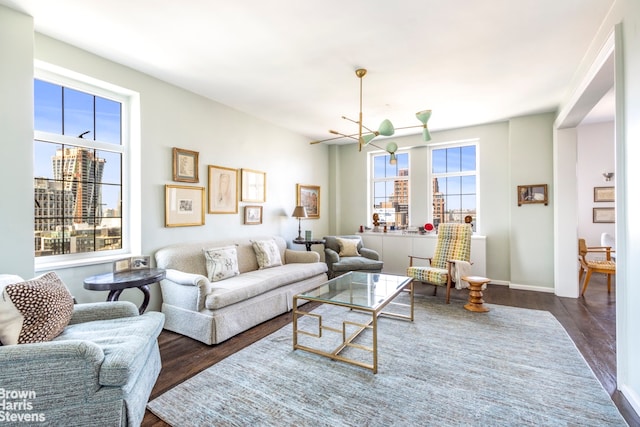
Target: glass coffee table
(368, 293)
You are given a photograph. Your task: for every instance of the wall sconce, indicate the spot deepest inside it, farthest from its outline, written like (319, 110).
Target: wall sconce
(607, 175)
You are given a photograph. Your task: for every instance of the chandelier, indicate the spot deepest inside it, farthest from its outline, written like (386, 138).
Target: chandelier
(365, 135)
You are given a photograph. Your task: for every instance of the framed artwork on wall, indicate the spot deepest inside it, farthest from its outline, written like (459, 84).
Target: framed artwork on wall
(184, 206)
(253, 215)
(607, 215)
(529, 194)
(223, 190)
(254, 186)
(309, 197)
(185, 165)
(604, 194)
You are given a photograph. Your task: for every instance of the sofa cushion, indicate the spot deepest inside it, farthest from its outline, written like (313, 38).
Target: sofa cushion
(126, 343)
(348, 247)
(267, 253)
(254, 283)
(222, 263)
(34, 311)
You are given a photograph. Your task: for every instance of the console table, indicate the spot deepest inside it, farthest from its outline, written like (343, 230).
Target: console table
(115, 283)
(308, 243)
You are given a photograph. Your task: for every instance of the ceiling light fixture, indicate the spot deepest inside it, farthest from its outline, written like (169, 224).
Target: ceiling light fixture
(386, 128)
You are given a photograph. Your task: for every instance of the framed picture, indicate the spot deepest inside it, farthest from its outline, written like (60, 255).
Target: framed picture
(185, 165)
(529, 194)
(604, 215)
(253, 215)
(309, 197)
(140, 262)
(254, 186)
(121, 265)
(184, 206)
(604, 194)
(223, 190)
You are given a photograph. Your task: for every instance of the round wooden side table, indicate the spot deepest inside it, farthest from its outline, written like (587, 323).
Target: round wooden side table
(476, 303)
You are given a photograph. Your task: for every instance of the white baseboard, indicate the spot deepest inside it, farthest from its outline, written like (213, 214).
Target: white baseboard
(632, 397)
(531, 288)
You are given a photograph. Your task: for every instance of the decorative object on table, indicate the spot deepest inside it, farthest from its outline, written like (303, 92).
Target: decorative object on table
(307, 235)
(254, 186)
(131, 263)
(530, 194)
(604, 194)
(429, 228)
(253, 215)
(185, 165)
(299, 212)
(365, 135)
(606, 215)
(376, 221)
(121, 265)
(223, 190)
(309, 197)
(184, 206)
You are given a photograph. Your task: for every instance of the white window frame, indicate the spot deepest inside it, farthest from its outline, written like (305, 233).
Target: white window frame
(131, 155)
(373, 180)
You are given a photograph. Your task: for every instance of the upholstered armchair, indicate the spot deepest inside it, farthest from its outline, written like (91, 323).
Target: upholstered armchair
(450, 260)
(346, 253)
(99, 370)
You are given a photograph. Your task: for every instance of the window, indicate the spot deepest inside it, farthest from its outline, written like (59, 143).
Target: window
(391, 190)
(454, 183)
(80, 182)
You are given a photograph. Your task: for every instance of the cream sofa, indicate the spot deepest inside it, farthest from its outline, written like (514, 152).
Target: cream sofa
(213, 312)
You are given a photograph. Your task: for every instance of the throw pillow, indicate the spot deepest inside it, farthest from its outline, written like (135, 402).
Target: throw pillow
(267, 253)
(34, 311)
(222, 263)
(348, 247)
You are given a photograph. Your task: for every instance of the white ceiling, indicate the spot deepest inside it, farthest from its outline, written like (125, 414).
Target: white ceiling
(292, 62)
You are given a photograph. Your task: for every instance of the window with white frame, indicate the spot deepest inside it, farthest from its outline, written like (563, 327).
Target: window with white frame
(81, 147)
(454, 183)
(390, 189)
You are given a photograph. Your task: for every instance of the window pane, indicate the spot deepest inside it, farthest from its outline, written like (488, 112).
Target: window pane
(469, 184)
(379, 167)
(468, 158)
(78, 113)
(111, 201)
(47, 107)
(44, 159)
(439, 161)
(111, 172)
(108, 119)
(453, 159)
(453, 185)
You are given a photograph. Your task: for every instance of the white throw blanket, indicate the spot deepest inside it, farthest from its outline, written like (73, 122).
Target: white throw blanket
(459, 270)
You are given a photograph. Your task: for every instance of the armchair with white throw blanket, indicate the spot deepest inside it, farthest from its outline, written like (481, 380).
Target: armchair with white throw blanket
(450, 261)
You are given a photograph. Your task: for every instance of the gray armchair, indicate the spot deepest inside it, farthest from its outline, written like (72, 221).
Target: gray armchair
(367, 260)
(99, 371)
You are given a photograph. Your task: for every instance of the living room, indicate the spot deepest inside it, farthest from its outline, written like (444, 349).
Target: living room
(527, 249)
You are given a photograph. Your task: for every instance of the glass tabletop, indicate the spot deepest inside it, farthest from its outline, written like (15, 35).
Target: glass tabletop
(366, 290)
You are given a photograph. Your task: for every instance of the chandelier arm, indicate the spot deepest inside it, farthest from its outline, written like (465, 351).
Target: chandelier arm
(410, 127)
(342, 135)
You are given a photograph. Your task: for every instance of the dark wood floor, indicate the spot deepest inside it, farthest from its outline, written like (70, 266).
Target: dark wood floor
(590, 322)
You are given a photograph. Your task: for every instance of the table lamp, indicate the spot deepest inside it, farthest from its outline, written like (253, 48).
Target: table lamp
(299, 212)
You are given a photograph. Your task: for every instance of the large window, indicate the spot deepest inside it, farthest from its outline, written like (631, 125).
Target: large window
(391, 190)
(454, 183)
(80, 149)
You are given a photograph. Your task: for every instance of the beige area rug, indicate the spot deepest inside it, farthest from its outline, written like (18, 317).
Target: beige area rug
(450, 367)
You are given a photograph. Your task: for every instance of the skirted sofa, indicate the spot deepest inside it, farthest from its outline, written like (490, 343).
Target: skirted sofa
(216, 289)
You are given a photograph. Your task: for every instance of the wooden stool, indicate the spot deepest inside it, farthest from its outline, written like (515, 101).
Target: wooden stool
(476, 303)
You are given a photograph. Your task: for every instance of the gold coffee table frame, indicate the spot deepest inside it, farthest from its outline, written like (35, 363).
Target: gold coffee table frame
(363, 292)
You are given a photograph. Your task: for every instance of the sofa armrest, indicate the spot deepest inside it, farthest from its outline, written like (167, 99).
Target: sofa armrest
(186, 279)
(331, 256)
(185, 290)
(301, 257)
(369, 253)
(102, 311)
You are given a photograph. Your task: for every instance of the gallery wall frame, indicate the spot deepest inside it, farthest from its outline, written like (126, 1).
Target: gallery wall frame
(604, 215)
(185, 165)
(532, 194)
(309, 197)
(604, 194)
(184, 206)
(223, 190)
(254, 186)
(253, 215)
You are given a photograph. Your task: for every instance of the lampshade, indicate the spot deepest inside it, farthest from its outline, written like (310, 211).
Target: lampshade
(392, 159)
(386, 128)
(423, 116)
(426, 136)
(392, 147)
(365, 139)
(299, 212)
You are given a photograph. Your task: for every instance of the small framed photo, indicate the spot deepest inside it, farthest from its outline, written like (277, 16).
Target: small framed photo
(529, 194)
(185, 165)
(223, 190)
(607, 215)
(140, 262)
(309, 197)
(184, 206)
(604, 194)
(121, 265)
(253, 215)
(254, 186)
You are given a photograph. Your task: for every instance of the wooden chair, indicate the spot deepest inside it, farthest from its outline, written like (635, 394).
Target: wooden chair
(592, 265)
(453, 246)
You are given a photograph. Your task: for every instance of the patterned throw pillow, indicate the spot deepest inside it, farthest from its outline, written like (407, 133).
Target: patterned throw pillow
(34, 311)
(222, 263)
(267, 253)
(348, 247)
